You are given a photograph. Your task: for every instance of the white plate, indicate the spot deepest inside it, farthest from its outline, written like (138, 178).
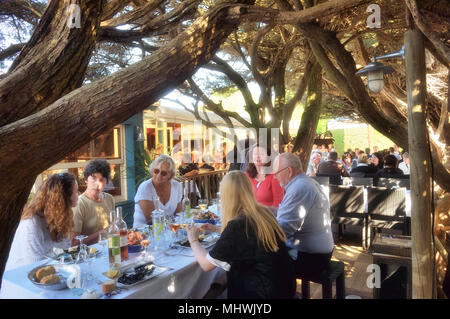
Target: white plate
(63, 271)
(156, 272)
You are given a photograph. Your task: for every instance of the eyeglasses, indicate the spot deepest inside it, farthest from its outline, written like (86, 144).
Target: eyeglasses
(157, 171)
(274, 174)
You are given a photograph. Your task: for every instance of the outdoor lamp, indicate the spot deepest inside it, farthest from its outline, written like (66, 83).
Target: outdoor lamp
(140, 137)
(376, 70)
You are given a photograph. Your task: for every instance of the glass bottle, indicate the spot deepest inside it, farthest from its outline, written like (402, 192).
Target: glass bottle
(186, 203)
(113, 242)
(158, 224)
(123, 230)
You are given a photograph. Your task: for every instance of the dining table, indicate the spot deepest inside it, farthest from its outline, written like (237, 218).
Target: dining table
(182, 278)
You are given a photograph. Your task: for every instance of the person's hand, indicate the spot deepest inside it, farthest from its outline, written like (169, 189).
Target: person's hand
(208, 227)
(192, 232)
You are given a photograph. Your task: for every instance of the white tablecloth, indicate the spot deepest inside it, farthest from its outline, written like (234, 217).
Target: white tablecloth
(186, 280)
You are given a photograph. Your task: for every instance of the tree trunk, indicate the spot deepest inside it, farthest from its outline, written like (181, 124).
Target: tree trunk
(421, 217)
(52, 63)
(32, 144)
(310, 117)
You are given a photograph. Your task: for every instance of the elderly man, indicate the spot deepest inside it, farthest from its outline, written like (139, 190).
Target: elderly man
(304, 215)
(316, 158)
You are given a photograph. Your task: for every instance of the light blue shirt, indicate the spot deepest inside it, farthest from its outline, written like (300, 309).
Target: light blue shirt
(304, 215)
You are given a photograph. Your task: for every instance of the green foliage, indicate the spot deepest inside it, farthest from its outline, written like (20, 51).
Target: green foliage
(142, 163)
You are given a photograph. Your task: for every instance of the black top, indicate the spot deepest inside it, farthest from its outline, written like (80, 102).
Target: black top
(254, 272)
(362, 171)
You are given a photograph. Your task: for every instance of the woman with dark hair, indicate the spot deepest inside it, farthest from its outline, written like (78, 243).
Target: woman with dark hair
(390, 169)
(46, 221)
(267, 189)
(91, 216)
(377, 162)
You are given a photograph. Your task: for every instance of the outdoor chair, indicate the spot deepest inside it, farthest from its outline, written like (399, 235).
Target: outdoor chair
(335, 179)
(334, 272)
(394, 182)
(322, 180)
(347, 208)
(387, 210)
(358, 181)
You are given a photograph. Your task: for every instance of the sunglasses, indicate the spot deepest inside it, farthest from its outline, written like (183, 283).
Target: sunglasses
(157, 171)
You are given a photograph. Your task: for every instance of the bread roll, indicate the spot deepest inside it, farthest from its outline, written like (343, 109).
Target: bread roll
(51, 279)
(44, 271)
(109, 286)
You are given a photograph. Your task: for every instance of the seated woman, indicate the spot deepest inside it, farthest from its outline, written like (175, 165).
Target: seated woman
(252, 246)
(91, 216)
(362, 169)
(162, 184)
(46, 221)
(267, 189)
(347, 161)
(377, 162)
(390, 169)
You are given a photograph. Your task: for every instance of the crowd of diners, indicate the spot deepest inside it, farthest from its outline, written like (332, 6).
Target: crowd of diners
(387, 163)
(275, 218)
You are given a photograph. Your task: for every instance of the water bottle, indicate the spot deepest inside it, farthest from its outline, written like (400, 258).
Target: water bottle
(158, 222)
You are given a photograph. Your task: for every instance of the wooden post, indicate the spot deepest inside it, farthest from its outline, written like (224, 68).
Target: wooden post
(421, 218)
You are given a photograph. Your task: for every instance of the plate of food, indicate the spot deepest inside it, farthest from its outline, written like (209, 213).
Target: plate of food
(205, 240)
(205, 217)
(135, 240)
(53, 277)
(139, 273)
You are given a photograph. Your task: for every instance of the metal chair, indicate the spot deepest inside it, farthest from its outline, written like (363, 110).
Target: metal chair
(387, 209)
(347, 208)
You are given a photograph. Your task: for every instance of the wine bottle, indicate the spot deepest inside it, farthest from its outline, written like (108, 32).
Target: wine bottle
(123, 231)
(186, 202)
(113, 242)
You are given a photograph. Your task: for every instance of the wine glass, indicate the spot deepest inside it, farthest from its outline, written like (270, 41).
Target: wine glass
(83, 253)
(203, 204)
(174, 225)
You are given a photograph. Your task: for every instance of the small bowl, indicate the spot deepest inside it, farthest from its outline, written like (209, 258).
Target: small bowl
(134, 248)
(63, 271)
(204, 221)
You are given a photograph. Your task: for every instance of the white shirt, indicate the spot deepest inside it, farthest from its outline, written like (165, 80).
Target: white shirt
(404, 168)
(146, 191)
(32, 242)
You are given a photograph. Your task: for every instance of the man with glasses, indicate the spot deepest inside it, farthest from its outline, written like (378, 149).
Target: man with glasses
(304, 216)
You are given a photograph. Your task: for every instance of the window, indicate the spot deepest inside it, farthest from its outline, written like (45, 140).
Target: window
(110, 146)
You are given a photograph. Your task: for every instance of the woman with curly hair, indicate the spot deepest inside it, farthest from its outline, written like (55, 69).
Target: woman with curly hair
(46, 221)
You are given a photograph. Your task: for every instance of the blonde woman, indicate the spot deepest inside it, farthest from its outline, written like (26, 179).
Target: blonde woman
(251, 247)
(162, 185)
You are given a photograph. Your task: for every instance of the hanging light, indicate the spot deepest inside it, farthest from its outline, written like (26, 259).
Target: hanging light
(374, 72)
(140, 137)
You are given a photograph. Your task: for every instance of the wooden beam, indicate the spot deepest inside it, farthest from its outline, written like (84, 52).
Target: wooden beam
(421, 218)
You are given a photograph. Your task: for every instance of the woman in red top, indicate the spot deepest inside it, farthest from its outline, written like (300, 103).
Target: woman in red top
(266, 187)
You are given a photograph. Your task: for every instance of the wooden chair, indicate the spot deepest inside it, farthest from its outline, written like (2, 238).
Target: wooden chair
(358, 181)
(387, 209)
(347, 208)
(394, 182)
(322, 180)
(334, 272)
(335, 179)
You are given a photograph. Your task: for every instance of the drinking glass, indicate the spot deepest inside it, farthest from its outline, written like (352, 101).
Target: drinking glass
(103, 242)
(83, 253)
(174, 225)
(203, 204)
